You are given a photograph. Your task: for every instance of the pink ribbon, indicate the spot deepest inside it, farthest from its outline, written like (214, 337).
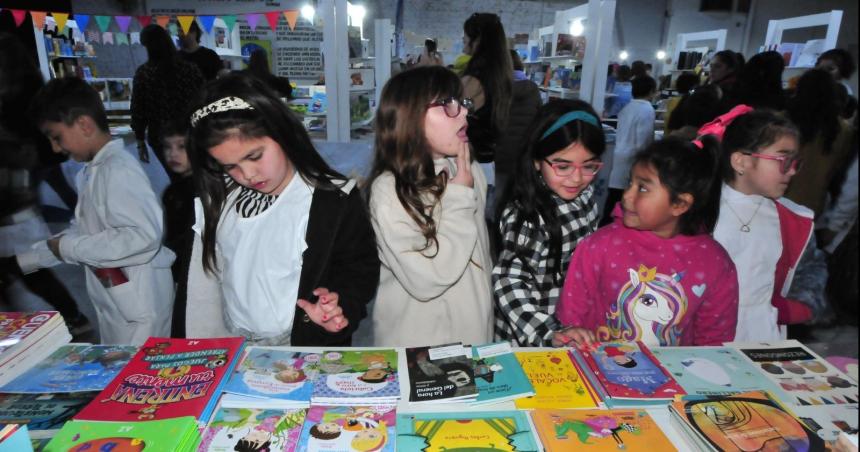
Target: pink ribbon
(717, 127)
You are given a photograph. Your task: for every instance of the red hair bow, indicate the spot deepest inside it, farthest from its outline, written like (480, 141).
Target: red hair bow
(717, 127)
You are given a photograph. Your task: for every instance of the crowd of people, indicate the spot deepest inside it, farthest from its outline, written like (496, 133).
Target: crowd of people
(479, 219)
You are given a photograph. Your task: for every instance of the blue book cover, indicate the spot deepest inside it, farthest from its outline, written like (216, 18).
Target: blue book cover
(318, 103)
(472, 431)
(275, 373)
(42, 412)
(73, 368)
(498, 374)
(349, 429)
(707, 371)
(357, 374)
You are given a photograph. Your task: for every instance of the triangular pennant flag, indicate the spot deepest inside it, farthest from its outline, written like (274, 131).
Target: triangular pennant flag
(122, 38)
(185, 22)
(252, 19)
(104, 22)
(230, 20)
(144, 20)
(19, 15)
(82, 20)
(123, 22)
(38, 19)
(815, 402)
(206, 22)
(61, 19)
(163, 21)
(292, 16)
(803, 402)
(92, 36)
(826, 402)
(273, 17)
(134, 37)
(850, 400)
(107, 38)
(838, 400)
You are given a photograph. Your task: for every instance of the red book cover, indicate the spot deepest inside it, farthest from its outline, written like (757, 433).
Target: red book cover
(628, 370)
(167, 378)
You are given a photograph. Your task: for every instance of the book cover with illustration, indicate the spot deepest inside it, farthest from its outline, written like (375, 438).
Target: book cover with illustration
(742, 422)
(176, 435)
(706, 371)
(44, 414)
(253, 429)
(627, 372)
(17, 327)
(167, 378)
(828, 421)
(73, 368)
(366, 376)
(557, 382)
(275, 373)
(479, 431)
(805, 377)
(498, 374)
(349, 429)
(599, 430)
(441, 373)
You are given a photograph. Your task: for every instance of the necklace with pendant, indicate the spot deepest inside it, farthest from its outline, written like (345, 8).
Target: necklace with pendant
(745, 226)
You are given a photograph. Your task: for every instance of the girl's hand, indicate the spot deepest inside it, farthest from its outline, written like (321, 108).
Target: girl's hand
(325, 312)
(464, 167)
(580, 337)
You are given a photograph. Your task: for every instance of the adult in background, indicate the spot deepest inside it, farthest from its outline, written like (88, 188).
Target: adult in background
(724, 69)
(683, 85)
(258, 66)
(759, 83)
(622, 93)
(696, 109)
(204, 58)
(839, 64)
(430, 56)
(164, 88)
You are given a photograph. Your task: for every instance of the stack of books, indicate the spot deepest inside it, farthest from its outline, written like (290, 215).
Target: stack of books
(558, 382)
(272, 378)
(349, 428)
(44, 414)
(176, 435)
(26, 338)
(356, 377)
(470, 431)
(498, 375)
(444, 373)
(233, 429)
(13, 437)
(599, 430)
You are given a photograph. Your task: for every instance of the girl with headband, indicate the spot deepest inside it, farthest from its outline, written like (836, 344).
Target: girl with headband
(547, 210)
(284, 246)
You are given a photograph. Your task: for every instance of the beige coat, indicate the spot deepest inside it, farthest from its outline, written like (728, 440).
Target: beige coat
(433, 300)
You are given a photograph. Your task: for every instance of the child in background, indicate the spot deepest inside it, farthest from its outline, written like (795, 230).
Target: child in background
(427, 202)
(635, 132)
(117, 230)
(768, 237)
(655, 274)
(178, 201)
(284, 239)
(548, 210)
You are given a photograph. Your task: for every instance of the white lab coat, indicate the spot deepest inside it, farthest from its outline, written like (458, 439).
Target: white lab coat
(635, 131)
(118, 224)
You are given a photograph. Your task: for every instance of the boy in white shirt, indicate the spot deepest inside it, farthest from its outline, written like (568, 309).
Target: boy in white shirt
(116, 233)
(635, 131)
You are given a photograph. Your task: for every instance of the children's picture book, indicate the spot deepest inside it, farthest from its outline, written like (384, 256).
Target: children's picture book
(743, 422)
(356, 376)
(441, 373)
(478, 431)
(275, 373)
(44, 414)
(828, 421)
(176, 435)
(599, 430)
(13, 438)
(253, 429)
(167, 378)
(17, 327)
(557, 382)
(73, 368)
(318, 103)
(628, 373)
(498, 374)
(349, 429)
(706, 371)
(805, 377)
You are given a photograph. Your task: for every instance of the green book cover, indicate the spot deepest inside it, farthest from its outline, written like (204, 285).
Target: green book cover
(471, 431)
(177, 434)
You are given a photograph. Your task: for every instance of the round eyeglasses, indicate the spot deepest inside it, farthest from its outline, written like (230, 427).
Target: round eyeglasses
(453, 105)
(564, 169)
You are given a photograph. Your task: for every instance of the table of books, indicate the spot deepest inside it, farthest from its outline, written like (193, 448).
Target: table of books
(219, 395)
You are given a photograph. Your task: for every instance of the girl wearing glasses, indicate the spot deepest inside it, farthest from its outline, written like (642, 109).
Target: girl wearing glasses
(655, 274)
(768, 237)
(427, 200)
(547, 210)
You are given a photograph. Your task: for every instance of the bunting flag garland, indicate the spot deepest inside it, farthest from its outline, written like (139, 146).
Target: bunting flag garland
(38, 18)
(104, 22)
(144, 20)
(230, 20)
(185, 22)
(121, 38)
(206, 22)
(19, 15)
(107, 38)
(163, 21)
(61, 19)
(253, 19)
(123, 22)
(82, 20)
(92, 36)
(272, 17)
(134, 37)
(292, 17)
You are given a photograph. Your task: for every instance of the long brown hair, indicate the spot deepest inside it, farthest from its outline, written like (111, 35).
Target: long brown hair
(491, 63)
(401, 143)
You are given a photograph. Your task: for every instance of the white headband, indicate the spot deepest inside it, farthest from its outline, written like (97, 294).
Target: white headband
(223, 104)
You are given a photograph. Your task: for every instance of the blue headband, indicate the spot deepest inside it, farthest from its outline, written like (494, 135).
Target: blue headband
(568, 117)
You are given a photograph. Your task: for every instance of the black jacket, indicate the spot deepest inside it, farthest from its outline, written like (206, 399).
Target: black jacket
(525, 103)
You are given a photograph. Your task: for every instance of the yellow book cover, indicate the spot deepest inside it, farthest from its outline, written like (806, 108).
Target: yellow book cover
(599, 430)
(556, 380)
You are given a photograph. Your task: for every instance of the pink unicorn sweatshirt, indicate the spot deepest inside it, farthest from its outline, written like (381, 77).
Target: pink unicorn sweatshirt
(626, 284)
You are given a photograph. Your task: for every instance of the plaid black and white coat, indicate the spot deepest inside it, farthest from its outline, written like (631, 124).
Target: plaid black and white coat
(525, 292)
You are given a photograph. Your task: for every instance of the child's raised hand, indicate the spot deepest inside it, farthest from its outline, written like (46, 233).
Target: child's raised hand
(464, 167)
(580, 337)
(325, 312)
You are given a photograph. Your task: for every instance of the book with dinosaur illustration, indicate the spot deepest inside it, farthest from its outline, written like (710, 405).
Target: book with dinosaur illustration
(233, 429)
(478, 431)
(558, 383)
(351, 428)
(73, 368)
(599, 430)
